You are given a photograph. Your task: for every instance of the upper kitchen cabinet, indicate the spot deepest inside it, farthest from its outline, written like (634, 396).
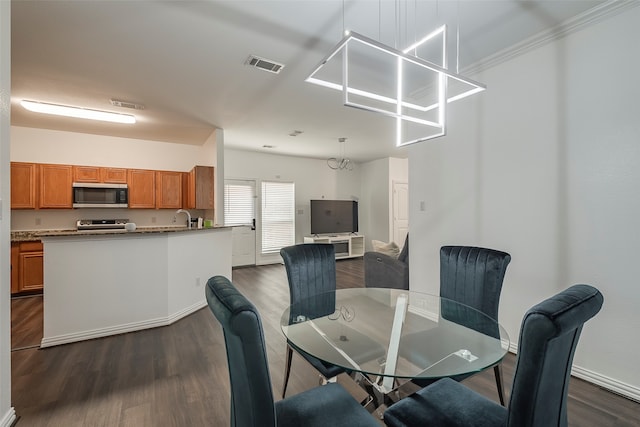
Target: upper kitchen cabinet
(55, 186)
(199, 188)
(168, 190)
(142, 188)
(23, 185)
(113, 175)
(99, 174)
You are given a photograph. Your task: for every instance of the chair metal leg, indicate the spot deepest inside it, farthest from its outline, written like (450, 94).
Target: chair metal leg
(497, 370)
(287, 370)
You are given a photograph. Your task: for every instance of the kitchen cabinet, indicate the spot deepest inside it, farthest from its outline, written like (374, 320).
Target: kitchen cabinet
(86, 174)
(27, 267)
(199, 188)
(55, 186)
(99, 174)
(15, 261)
(142, 188)
(113, 175)
(23, 185)
(168, 190)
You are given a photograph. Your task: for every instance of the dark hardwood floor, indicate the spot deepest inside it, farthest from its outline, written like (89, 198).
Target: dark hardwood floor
(177, 375)
(26, 321)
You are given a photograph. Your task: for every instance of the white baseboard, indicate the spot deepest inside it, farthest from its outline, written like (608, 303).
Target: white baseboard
(120, 329)
(8, 418)
(615, 386)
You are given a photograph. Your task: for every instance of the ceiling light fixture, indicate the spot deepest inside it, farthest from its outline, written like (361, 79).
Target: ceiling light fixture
(419, 108)
(77, 112)
(342, 163)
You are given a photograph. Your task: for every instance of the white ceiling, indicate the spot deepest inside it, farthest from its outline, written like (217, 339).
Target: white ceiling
(184, 60)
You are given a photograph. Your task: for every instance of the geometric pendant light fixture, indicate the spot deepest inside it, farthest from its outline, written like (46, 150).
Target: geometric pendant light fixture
(414, 91)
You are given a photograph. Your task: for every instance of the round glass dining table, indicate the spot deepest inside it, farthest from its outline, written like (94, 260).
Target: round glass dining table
(391, 333)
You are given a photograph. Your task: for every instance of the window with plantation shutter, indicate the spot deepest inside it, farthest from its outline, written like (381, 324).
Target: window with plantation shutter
(239, 202)
(278, 215)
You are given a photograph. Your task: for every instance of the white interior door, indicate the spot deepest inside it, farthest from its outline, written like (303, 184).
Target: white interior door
(400, 212)
(240, 213)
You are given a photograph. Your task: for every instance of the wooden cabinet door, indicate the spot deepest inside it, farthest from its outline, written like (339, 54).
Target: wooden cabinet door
(86, 174)
(15, 267)
(114, 175)
(31, 266)
(204, 186)
(200, 188)
(168, 190)
(55, 186)
(23, 186)
(31, 271)
(142, 188)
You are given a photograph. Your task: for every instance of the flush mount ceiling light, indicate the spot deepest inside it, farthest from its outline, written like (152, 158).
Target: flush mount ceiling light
(341, 163)
(417, 93)
(77, 112)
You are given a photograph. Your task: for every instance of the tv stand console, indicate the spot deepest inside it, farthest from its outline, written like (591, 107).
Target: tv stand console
(346, 245)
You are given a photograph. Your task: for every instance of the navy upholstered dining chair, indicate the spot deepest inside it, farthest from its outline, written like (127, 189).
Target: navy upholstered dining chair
(311, 273)
(252, 403)
(548, 337)
(472, 276)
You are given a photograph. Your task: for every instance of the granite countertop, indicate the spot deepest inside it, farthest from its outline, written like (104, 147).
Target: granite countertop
(33, 235)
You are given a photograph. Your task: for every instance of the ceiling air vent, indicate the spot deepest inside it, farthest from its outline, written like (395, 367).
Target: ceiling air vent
(126, 104)
(264, 64)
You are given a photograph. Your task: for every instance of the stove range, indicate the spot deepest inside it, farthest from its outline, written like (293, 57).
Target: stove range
(101, 224)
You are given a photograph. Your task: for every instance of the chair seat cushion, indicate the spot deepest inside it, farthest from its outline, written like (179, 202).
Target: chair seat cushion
(446, 403)
(325, 406)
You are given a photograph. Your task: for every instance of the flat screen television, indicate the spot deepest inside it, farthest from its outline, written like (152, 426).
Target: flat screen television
(334, 216)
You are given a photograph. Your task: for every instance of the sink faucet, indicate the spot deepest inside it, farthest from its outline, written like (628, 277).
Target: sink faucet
(185, 212)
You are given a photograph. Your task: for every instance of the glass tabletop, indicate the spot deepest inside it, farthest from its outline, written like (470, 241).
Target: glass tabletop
(395, 333)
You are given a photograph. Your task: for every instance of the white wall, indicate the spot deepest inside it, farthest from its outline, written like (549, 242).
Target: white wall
(312, 177)
(7, 414)
(52, 146)
(59, 147)
(543, 165)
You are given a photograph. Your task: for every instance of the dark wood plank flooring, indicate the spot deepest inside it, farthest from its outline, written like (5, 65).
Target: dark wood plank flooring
(177, 375)
(26, 321)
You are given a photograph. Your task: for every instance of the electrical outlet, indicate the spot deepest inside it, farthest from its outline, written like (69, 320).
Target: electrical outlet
(153, 220)
(197, 282)
(38, 221)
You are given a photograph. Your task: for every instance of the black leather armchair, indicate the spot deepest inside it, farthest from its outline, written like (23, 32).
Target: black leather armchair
(384, 271)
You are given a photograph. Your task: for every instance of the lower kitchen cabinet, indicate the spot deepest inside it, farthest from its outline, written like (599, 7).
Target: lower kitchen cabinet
(27, 267)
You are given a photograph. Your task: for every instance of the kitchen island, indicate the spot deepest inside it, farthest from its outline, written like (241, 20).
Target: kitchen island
(100, 283)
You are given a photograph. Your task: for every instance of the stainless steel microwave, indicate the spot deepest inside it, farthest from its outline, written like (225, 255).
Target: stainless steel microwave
(90, 195)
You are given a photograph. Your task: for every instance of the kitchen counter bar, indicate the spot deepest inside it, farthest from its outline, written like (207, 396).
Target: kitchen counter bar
(107, 282)
(32, 235)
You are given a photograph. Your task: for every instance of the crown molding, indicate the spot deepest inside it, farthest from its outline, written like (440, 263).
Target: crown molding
(576, 23)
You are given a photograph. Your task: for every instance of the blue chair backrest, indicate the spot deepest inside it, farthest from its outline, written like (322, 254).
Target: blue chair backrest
(473, 276)
(548, 337)
(311, 271)
(251, 394)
